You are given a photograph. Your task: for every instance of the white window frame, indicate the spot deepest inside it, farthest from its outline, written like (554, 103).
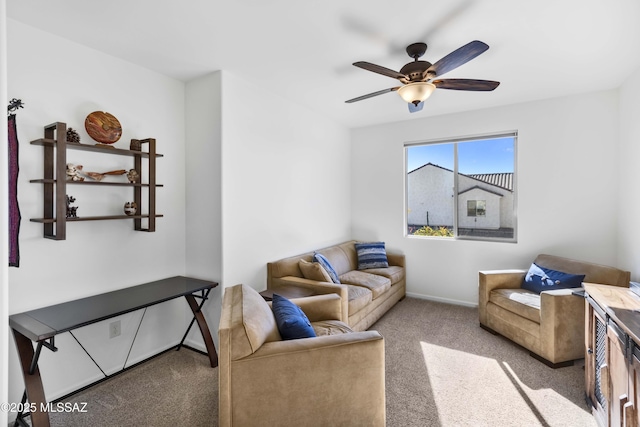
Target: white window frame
(456, 236)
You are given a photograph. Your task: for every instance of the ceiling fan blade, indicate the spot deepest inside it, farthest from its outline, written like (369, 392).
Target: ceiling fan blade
(457, 58)
(466, 84)
(415, 108)
(371, 95)
(380, 70)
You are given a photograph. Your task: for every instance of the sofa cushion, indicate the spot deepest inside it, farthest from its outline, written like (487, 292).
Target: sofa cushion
(377, 284)
(371, 255)
(291, 320)
(342, 257)
(539, 279)
(324, 262)
(393, 273)
(359, 298)
(330, 327)
(518, 301)
(254, 320)
(314, 271)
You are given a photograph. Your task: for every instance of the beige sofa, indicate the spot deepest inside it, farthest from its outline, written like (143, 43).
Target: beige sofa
(334, 379)
(366, 294)
(550, 325)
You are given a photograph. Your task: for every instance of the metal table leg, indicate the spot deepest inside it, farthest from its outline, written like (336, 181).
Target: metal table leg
(204, 328)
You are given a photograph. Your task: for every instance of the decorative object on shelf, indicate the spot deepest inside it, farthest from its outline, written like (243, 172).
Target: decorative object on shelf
(133, 176)
(135, 145)
(130, 208)
(14, 208)
(103, 127)
(71, 210)
(73, 136)
(73, 172)
(99, 176)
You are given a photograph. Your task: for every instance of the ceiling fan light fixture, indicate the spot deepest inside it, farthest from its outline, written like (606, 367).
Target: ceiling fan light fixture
(416, 92)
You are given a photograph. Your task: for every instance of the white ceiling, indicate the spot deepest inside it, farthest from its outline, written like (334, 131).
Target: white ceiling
(303, 50)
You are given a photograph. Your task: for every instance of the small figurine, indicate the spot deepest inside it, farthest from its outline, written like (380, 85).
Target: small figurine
(130, 208)
(71, 210)
(73, 136)
(133, 176)
(73, 172)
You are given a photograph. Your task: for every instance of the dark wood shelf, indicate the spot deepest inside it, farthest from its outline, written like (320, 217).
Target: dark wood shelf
(121, 184)
(55, 146)
(95, 218)
(46, 142)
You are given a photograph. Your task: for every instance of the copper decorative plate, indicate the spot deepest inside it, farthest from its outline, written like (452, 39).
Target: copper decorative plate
(103, 127)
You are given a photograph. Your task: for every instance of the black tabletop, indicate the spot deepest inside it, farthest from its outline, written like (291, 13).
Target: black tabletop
(46, 322)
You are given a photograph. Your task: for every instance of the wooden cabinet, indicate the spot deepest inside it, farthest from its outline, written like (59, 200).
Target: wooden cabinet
(631, 407)
(612, 357)
(55, 181)
(596, 367)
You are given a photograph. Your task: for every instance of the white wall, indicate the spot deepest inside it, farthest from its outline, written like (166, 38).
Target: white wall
(567, 190)
(629, 206)
(63, 81)
(203, 117)
(285, 181)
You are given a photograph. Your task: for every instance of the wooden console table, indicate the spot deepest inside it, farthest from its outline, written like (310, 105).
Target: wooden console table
(612, 356)
(43, 324)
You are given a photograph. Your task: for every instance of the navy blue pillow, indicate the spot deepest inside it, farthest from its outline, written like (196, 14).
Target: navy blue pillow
(540, 279)
(291, 320)
(371, 255)
(324, 262)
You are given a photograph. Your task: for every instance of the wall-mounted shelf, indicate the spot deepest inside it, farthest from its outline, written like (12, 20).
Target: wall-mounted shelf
(55, 183)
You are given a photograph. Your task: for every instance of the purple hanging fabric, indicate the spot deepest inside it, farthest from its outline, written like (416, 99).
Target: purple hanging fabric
(14, 209)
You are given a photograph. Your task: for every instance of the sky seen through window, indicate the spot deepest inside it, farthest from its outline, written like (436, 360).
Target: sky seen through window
(493, 155)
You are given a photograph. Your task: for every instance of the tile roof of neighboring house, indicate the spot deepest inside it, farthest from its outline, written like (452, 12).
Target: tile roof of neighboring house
(502, 180)
(480, 188)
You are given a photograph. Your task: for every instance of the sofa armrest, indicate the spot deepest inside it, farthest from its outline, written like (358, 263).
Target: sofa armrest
(561, 325)
(320, 288)
(396, 259)
(320, 307)
(495, 279)
(343, 374)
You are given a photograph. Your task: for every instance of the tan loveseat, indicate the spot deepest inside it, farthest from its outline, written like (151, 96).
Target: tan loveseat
(366, 294)
(334, 379)
(549, 325)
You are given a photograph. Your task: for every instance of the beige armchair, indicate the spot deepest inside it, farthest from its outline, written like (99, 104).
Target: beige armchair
(334, 379)
(549, 325)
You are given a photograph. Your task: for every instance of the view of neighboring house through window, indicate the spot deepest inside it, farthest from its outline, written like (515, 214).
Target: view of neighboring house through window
(462, 188)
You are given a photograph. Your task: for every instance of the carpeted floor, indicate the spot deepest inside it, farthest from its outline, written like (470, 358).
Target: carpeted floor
(442, 370)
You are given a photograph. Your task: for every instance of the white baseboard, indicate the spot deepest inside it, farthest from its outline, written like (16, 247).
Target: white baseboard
(196, 344)
(444, 300)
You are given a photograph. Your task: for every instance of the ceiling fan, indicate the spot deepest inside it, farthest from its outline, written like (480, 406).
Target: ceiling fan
(420, 78)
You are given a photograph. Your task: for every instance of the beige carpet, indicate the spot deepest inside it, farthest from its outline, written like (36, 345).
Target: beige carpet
(442, 370)
(177, 388)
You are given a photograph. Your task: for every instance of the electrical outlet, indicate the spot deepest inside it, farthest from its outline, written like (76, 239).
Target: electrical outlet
(114, 329)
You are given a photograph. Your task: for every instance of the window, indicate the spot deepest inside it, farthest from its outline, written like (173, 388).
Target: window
(476, 207)
(462, 188)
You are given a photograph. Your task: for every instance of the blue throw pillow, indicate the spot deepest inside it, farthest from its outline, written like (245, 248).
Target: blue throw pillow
(371, 255)
(291, 320)
(324, 262)
(540, 279)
